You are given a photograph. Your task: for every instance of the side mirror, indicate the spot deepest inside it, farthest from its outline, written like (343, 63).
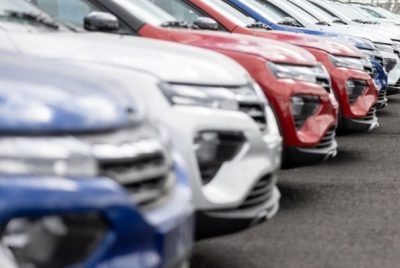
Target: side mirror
(206, 23)
(101, 21)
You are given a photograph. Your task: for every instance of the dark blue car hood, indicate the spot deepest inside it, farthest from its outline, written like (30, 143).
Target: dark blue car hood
(41, 96)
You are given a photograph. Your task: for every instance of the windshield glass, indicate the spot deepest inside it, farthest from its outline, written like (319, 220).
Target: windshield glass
(316, 12)
(290, 10)
(179, 9)
(372, 12)
(146, 11)
(16, 5)
(271, 14)
(230, 12)
(330, 8)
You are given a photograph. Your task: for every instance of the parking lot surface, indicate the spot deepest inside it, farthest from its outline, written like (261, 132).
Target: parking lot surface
(344, 213)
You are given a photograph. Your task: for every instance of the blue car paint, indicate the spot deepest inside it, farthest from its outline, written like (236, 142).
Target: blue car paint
(155, 238)
(380, 79)
(129, 236)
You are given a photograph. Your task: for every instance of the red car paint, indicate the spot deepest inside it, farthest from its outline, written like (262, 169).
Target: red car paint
(253, 54)
(320, 48)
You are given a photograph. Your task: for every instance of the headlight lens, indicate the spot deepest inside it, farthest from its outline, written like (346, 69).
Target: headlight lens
(304, 106)
(302, 73)
(351, 63)
(46, 157)
(211, 97)
(384, 47)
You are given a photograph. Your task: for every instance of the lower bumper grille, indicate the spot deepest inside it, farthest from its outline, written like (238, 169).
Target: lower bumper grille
(328, 139)
(260, 193)
(371, 114)
(382, 95)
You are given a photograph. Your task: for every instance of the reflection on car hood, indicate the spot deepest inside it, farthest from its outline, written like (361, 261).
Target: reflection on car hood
(170, 62)
(46, 96)
(303, 40)
(271, 50)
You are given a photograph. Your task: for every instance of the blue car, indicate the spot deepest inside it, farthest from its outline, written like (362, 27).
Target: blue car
(85, 180)
(265, 14)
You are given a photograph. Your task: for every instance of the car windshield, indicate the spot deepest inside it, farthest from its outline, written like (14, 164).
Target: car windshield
(262, 8)
(331, 9)
(314, 11)
(16, 5)
(20, 11)
(230, 12)
(372, 12)
(353, 13)
(146, 11)
(179, 9)
(290, 10)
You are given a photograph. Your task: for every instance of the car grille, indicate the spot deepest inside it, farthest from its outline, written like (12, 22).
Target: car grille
(328, 139)
(255, 110)
(145, 177)
(397, 85)
(260, 193)
(141, 165)
(371, 114)
(382, 95)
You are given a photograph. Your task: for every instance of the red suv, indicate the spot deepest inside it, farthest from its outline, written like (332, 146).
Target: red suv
(350, 71)
(297, 86)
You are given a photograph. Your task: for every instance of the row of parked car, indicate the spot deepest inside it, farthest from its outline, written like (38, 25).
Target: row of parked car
(131, 128)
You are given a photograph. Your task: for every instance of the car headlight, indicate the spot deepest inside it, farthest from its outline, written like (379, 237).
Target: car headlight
(190, 95)
(384, 47)
(302, 73)
(350, 62)
(46, 157)
(304, 106)
(372, 54)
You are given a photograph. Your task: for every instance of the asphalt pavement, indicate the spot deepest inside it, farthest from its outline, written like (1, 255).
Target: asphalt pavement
(343, 213)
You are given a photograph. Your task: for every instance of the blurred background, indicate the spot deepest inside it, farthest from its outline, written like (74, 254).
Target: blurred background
(393, 5)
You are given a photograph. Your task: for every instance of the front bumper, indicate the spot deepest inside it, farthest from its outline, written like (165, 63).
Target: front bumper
(173, 222)
(360, 115)
(220, 222)
(325, 150)
(260, 155)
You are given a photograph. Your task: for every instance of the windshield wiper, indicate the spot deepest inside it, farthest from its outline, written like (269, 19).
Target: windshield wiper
(289, 23)
(258, 25)
(323, 23)
(340, 21)
(175, 24)
(31, 17)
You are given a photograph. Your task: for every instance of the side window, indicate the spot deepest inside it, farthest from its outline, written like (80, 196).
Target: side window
(71, 11)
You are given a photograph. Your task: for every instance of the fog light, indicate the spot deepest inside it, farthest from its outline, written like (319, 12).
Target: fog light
(53, 241)
(389, 64)
(355, 89)
(214, 148)
(302, 107)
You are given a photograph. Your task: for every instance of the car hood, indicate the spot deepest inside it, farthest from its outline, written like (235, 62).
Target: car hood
(271, 50)
(169, 62)
(46, 96)
(303, 40)
(362, 32)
